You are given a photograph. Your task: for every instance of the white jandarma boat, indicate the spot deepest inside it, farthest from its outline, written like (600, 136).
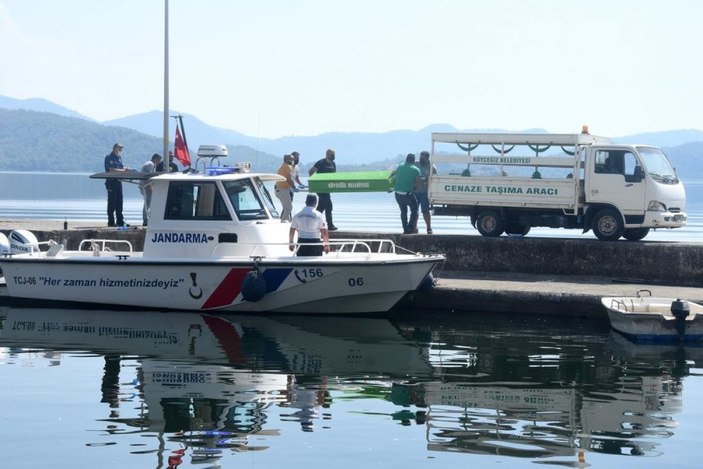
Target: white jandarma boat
(650, 319)
(214, 242)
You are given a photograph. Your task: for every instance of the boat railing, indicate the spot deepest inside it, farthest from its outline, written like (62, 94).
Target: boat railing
(360, 246)
(103, 245)
(628, 305)
(616, 303)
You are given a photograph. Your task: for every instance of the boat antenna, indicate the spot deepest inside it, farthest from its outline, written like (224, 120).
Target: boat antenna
(166, 104)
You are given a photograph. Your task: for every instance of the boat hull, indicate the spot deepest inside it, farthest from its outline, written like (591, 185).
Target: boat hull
(648, 319)
(292, 285)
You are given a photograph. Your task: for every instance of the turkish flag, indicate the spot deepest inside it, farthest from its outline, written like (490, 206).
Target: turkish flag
(181, 150)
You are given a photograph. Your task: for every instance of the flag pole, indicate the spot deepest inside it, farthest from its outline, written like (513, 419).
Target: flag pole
(166, 104)
(183, 131)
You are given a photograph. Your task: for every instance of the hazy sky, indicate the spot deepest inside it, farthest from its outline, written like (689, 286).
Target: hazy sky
(270, 68)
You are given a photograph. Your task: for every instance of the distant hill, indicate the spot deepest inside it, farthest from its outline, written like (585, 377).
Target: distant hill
(42, 141)
(38, 104)
(58, 139)
(197, 132)
(670, 138)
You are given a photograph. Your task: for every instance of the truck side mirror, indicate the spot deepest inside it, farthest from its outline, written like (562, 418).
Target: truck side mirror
(639, 173)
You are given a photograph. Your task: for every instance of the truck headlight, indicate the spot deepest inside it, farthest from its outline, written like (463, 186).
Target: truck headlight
(656, 206)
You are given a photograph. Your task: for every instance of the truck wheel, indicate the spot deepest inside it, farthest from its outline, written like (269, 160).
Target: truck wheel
(607, 225)
(489, 224)
(635, 234)
(517, 229)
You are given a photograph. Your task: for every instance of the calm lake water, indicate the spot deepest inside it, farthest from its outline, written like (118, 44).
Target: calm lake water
(76, 197)
(167, 390)
(181, 390)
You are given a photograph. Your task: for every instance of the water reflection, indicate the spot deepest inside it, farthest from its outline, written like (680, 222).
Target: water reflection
(504, 386)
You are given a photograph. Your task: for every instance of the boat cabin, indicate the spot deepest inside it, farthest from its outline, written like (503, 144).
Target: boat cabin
(222, 211)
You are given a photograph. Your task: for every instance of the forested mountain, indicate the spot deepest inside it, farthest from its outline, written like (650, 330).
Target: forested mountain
(42, 141)
(38, 104)
(62, 140)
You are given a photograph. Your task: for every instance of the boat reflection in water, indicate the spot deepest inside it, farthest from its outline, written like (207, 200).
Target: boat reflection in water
(517, 387)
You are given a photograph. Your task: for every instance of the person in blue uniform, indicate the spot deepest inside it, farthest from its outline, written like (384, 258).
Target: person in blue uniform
(113, 163)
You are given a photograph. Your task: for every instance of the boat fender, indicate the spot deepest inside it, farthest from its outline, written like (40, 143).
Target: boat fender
(253, 286)
(4, 244)
(680, 310)
(23, 241)
(427, 283)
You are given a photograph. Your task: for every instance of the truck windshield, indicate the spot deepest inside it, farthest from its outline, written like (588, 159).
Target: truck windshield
(657, 165)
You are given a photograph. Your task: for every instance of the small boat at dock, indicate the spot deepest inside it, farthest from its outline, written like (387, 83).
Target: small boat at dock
(644, 318)
(215, 242)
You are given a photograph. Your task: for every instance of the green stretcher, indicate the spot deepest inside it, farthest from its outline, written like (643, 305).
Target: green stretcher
(356, 181)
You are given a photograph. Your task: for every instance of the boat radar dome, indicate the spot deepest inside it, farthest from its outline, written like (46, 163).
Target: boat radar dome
(212, 151)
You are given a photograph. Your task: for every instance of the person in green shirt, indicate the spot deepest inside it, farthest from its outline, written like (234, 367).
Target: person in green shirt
(406, 180)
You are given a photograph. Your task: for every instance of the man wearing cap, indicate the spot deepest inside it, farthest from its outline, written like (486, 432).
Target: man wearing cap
(313, 236)
(113, 163)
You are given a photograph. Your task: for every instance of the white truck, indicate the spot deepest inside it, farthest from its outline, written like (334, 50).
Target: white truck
(508, 183)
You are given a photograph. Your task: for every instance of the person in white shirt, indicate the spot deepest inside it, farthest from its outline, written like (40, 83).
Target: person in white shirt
(312, 230)
(296, 171)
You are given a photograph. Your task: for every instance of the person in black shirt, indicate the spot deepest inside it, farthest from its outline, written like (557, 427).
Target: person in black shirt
(324, 205)
(172, 167)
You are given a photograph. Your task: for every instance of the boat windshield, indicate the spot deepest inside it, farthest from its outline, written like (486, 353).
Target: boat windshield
(657, 165)
(267, 198)
(245, 200)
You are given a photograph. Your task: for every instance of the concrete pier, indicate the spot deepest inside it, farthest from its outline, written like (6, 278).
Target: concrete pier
(549, 276)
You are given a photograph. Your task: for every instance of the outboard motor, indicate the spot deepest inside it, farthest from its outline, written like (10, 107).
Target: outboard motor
(4, 248)
(4, 244)
(680, 310)
(23, 242)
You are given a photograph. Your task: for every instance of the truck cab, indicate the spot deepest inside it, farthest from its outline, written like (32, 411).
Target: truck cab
(508, 183)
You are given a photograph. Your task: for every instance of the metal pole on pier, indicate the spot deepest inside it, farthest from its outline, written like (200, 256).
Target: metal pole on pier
(166, 106)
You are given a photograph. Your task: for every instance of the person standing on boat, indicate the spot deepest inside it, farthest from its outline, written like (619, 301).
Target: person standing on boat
(325, 165)
(113, 163)
(284, 188)
(172, 167)
(145, 185)
(406, 180)
(296, 171)
(426, 168)
(312, 230)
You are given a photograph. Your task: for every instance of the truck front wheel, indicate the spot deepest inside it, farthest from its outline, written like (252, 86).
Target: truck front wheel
(635, 234)
(489, 224)
(607, 225)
